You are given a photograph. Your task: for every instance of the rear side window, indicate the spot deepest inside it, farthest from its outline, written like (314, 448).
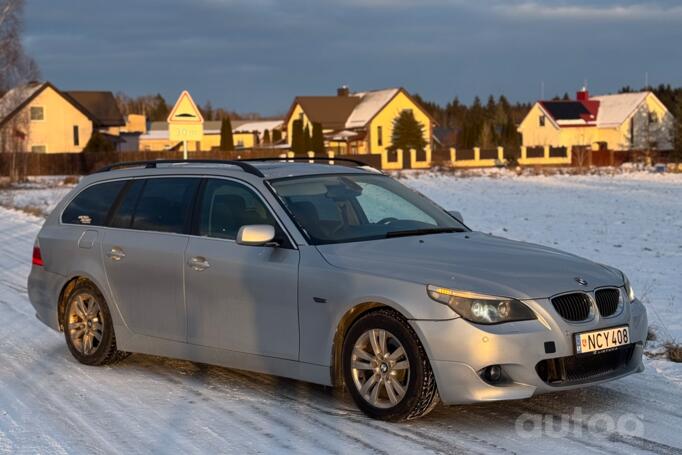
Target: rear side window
(227, 206)
(165, 204)
(123, 216)
(92, 205)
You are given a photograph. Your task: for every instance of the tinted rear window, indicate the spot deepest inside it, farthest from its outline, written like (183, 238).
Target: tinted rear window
(165, 204)
(92, 205)
(126, 208)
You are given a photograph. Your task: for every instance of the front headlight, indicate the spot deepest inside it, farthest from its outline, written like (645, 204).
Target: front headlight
(628, 289)
(481, 309)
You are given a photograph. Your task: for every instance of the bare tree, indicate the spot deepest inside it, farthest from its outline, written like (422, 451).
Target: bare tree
(16, 69)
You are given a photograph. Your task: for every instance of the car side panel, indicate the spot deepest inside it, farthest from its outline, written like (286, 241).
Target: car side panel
(327, 293)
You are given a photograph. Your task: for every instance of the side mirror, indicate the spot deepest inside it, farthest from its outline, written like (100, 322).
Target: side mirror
(456, 215)
(256, 235)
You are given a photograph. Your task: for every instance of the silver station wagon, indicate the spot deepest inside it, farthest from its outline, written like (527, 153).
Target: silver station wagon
(328, 273)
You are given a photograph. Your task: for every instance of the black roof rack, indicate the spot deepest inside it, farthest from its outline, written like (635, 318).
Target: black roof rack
(313, 158)
(245, 166)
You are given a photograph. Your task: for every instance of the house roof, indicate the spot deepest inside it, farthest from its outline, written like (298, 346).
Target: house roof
(330, 111)
(17, 98)
(351, 111)
(616, 109)
(101, 105)
(565, 110)
(159, 130)
(369, 106)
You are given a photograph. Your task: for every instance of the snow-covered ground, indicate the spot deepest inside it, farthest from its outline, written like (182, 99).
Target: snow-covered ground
(49, 403)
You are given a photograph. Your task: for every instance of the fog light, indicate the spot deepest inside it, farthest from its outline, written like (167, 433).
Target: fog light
(493, 373)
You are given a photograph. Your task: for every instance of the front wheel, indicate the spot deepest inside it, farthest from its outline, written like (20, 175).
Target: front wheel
(386, 368)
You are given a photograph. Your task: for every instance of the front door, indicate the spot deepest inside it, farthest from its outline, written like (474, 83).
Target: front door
(240, 298)
(143, 252)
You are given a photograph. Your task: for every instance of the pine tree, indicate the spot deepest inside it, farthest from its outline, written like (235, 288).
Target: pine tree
(297, 142)
(98, 143)
(676, 154)
(266, 136)
(307, 139)
(318, 140)
(226, 139)
(276, 135)
(408, 133)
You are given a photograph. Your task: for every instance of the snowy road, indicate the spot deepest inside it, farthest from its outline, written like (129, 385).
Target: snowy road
(51, 404)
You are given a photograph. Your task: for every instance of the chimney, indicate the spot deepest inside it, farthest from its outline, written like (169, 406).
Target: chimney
(583, 94)
(343, 91)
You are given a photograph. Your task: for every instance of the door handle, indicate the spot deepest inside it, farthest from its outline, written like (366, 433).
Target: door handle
(199, 263)
(116, 253)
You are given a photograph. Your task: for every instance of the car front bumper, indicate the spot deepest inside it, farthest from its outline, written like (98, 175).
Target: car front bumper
(459, 350)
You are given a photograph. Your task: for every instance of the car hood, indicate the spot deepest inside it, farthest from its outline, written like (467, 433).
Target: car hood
(474, 262)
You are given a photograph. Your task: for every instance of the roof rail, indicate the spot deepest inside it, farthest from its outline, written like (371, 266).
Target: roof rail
(246, 167)
(313, 158)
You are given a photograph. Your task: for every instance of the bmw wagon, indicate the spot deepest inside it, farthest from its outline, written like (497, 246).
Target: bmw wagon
(332, 274)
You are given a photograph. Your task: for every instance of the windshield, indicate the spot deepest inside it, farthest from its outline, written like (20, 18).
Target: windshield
(350, 208)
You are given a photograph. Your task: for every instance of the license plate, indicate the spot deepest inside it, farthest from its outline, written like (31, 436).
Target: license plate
(600, 340)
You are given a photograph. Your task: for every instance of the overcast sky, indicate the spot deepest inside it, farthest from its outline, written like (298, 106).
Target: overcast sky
(256, 55)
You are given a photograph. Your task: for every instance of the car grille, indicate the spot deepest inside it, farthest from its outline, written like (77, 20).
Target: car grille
(584, 367)
(573, 307)
(607, 301)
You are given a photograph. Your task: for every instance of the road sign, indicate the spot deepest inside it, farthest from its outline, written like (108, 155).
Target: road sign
(185, 122)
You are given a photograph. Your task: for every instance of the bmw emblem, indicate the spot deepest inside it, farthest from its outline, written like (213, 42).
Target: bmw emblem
(581, 281)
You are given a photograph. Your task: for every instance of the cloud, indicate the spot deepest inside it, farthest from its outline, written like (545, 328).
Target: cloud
(636, 12)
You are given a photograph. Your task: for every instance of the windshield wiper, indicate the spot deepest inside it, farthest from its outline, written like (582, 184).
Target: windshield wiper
(440, 230)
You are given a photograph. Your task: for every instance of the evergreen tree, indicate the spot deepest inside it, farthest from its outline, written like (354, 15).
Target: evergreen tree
(266, 136)
(98, 143)
(676, 154)
(408, 133)
(226, 139)
(307, 140)
(276, 135)
(317, 141)
(297, 142)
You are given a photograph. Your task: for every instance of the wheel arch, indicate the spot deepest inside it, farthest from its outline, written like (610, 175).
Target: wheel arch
(345, 323)
(67, 287)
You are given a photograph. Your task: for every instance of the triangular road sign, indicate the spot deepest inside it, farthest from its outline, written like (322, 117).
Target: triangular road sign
(185, 111)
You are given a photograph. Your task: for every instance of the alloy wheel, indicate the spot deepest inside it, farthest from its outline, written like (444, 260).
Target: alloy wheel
(380, 368)
(84, 323)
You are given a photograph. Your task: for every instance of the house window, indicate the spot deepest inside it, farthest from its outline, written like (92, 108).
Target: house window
(37, 113)
(380, 136)
(76, 136)
(38, 148)
(542, 120)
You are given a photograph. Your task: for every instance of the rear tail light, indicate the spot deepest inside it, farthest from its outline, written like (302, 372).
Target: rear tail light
(37, 257)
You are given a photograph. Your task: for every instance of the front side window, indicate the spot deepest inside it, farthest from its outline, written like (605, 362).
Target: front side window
(93, 204)
(37, 113)
(227, 206)
(351, 208)
(164, 205)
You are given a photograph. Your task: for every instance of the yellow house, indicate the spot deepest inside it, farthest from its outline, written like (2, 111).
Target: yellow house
(246, 134)
(40, 118)
(361, 122)
(625, 121)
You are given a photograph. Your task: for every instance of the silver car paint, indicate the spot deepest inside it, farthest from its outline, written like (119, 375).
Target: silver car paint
(268, 315)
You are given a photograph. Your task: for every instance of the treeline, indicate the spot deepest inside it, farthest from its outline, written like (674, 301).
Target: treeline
(156, 108)
(478, 125)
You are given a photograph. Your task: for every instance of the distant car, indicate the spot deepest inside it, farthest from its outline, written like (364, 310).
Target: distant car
(329, 274)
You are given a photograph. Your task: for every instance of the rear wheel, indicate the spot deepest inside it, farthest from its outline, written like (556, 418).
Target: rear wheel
(386, 368)
(88, 328)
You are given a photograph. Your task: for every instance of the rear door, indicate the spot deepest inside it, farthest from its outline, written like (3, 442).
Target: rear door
(143, 252)
(240, 298)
